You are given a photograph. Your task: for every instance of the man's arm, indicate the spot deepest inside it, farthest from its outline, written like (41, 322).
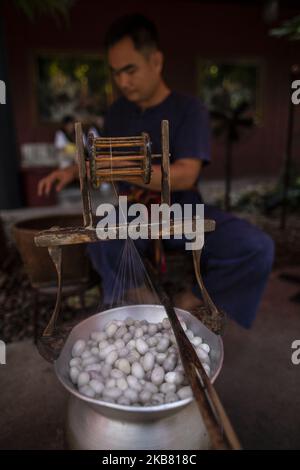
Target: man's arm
(183, 175)
(59, 178)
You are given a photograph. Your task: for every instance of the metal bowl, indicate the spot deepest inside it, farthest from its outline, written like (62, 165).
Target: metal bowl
(95, 424)
(152, 313)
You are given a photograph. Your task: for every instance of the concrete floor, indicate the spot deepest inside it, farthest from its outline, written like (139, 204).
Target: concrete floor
(258, 385)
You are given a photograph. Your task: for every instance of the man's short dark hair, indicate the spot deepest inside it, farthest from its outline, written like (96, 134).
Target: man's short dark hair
(137, 27)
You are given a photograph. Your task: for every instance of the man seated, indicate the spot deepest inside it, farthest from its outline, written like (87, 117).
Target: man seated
(237, 258)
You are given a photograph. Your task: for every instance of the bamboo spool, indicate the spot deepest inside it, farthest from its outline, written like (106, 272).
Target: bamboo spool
(119, 158)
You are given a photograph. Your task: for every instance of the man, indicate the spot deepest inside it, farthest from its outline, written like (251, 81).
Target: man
(237, 257)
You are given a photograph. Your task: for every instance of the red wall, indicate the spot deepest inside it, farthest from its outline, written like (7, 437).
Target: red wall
(188, 30)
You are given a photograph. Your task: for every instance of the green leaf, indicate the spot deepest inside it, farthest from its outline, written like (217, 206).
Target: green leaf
(290, 28)
(34, 8)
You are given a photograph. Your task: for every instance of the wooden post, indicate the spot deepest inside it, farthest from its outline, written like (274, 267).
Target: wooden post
(85, 194)
(165, 164)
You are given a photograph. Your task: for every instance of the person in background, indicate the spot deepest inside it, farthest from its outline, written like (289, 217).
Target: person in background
(97, 126)
(64, 142)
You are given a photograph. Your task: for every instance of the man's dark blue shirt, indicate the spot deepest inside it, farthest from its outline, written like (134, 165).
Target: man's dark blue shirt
(189, 129)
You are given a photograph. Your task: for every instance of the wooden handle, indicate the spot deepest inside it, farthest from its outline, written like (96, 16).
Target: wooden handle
(216, 421)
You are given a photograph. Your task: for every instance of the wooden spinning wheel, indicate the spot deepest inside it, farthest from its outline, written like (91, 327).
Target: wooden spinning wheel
(119, 158)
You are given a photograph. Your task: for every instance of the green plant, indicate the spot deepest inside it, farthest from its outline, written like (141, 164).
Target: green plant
(266, 201)
(33, 8)
(289, 28)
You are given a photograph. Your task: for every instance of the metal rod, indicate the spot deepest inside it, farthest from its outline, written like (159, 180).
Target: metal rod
(205, 295)
(55, 253)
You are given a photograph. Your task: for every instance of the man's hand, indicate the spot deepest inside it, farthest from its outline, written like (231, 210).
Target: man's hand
(59, 178)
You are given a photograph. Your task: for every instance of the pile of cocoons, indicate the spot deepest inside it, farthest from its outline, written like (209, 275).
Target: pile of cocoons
(134, 363)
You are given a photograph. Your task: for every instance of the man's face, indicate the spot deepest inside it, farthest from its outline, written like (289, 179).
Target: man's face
(136, 75)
